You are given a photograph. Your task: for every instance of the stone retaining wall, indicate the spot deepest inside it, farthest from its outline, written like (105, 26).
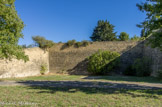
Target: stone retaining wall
(18, 68)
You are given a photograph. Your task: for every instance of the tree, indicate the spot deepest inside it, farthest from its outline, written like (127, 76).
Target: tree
(156, 40)
(152, 26)
(42, 42)
(135, 38)
(104, 31)
(123, 36)
(10, 31)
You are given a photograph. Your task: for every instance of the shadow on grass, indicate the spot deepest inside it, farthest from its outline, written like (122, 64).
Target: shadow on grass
(94, 88)
(125, 78)
(127, 92)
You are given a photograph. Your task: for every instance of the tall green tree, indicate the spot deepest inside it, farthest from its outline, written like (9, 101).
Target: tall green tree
(152, 26)
(104, 31)
(10, 31)
(123, 36)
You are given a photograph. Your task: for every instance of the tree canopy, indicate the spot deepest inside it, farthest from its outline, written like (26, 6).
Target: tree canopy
(152, 26)
(10, 31)
(104, 31)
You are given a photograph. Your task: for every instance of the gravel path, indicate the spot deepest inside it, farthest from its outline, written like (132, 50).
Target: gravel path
(84, 84)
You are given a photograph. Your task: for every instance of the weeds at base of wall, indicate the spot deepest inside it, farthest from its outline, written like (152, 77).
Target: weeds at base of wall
(43, 69)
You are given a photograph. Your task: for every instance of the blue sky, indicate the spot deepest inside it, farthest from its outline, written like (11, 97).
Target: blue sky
(63, 20)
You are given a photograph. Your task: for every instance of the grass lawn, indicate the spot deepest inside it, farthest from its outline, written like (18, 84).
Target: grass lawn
(85, 78)
(87, 97)
(36, 96)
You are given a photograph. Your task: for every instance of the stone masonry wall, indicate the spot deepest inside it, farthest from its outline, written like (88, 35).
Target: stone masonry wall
(18, 68)
(156, 56)
(72, 60)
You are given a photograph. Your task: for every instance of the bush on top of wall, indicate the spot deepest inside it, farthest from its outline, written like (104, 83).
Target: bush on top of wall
(83, 43)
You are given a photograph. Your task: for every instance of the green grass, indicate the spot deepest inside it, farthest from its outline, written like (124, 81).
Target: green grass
(130, 79)
(79, 97)
(87, 97)
(47, 78)
(85, 78)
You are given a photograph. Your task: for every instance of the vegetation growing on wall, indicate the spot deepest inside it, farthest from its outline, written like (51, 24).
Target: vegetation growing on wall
(27, 46)
(71, 43)
(43, 69)
(159, 75)
(123, 36)
(102, 62)
(141, 67)
(42, 42)
(135, 38)
(76, 44)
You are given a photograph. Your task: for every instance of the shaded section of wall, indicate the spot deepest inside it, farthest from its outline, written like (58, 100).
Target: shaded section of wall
(18, 68)
(156, 56)
(73, 60)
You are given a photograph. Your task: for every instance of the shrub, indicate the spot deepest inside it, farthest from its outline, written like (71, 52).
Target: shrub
(136, 38)
(43, 69)
(141, 67)
(159, 74)
(71, 43)
(85, 43)
(42, 42)
(78, 44)
(102, 62)
(24, 46)
(123, 36)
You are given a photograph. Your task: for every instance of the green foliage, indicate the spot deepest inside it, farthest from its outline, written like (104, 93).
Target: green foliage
(60, 42)
(42, 42)
(152, 22)
(10, 31)
(43, 69)
(104, 31)
(30, 46)
(159, 74)
(140, 67)
(78, 44)
(156, 40)
(102, 62)
(71, 43)
(135, 38)
(85, 43)
(27, 46)
(123, 36)
(129, 71)
(24, 46)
